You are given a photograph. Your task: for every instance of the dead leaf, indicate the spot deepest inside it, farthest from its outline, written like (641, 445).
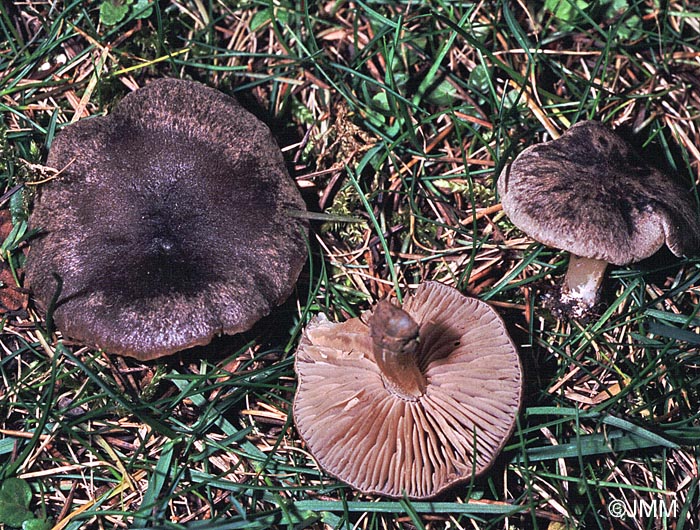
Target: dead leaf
(12, 298)
(5, 224)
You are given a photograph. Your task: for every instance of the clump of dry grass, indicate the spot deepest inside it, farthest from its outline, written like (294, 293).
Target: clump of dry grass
(396, 119)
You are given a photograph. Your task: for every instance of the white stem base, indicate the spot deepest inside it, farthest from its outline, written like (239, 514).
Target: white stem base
(581, 288)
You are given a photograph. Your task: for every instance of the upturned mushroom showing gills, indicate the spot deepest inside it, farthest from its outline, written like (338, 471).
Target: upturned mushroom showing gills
(408, 400)
(173, 219)
(588, 193)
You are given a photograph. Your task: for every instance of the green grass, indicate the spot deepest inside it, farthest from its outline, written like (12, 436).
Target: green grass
(399, 116)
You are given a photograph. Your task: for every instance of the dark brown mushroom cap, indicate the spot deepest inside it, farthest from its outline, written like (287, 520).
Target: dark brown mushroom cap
(590, 194)
(171, 222)
(380, 443)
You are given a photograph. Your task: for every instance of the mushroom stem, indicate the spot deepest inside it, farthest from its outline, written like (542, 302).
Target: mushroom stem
(395, 345)
(583, 280)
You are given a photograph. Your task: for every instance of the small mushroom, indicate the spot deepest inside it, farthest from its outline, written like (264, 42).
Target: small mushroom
(408, 400)
(172, 221)
(588, 193)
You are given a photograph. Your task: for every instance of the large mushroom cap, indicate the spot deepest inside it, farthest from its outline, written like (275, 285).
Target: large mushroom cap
(380, 440)
(171, 222)
(588, 193)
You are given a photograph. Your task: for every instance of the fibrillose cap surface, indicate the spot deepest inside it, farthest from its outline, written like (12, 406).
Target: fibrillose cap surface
(379, 443)
(588, 193)
(169, 224)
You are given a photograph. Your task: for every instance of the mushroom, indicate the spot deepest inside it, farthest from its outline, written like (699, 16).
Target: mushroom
(408, 400)
(172, 221)
(588, 193)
